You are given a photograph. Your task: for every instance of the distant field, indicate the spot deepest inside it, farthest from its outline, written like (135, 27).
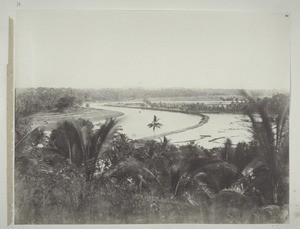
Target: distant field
(207, 102)
(181, 98)
(135, 103)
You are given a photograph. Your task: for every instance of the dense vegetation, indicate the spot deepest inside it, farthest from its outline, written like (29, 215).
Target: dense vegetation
(32, 100)
(80, 174)
(273, 105)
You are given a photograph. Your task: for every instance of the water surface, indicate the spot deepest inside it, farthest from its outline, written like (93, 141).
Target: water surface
(212, 134)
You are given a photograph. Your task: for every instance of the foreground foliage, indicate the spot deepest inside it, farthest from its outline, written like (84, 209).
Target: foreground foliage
(82, 175)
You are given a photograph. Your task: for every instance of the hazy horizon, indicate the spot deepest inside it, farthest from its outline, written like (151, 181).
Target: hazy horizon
(164, 88)
(152, 49)
(287, 90)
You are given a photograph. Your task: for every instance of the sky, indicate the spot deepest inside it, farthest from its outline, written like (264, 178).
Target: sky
(151, 49)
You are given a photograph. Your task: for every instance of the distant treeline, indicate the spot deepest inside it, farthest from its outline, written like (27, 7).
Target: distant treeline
(32, 100)
(272, 104)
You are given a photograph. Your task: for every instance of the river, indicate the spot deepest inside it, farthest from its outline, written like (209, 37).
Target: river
(211, 134)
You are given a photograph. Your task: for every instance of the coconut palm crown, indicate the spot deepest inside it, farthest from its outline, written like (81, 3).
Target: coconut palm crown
(155, 124)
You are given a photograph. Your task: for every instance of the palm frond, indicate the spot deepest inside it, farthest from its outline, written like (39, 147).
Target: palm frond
(106, 131)
(254, 164)
(131, 167)
(70, 139)
(281, 121)
(213, 168)
(165, 142)
(150, 125)
(30, 138)
(159, 125)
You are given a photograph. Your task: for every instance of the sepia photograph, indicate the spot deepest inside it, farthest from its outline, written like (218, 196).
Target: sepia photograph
(151, 117)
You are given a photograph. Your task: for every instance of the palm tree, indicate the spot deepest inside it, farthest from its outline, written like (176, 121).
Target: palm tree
(155, 124)
(81, 146)
(165, 142)
(30, 140)
(215, 173)
(131, 167)
(271, 148)
(228, 152)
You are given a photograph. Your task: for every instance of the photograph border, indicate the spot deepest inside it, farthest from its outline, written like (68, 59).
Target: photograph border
(243, 6)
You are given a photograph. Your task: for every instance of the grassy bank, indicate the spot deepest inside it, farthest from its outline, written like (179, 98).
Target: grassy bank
(49, 119)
